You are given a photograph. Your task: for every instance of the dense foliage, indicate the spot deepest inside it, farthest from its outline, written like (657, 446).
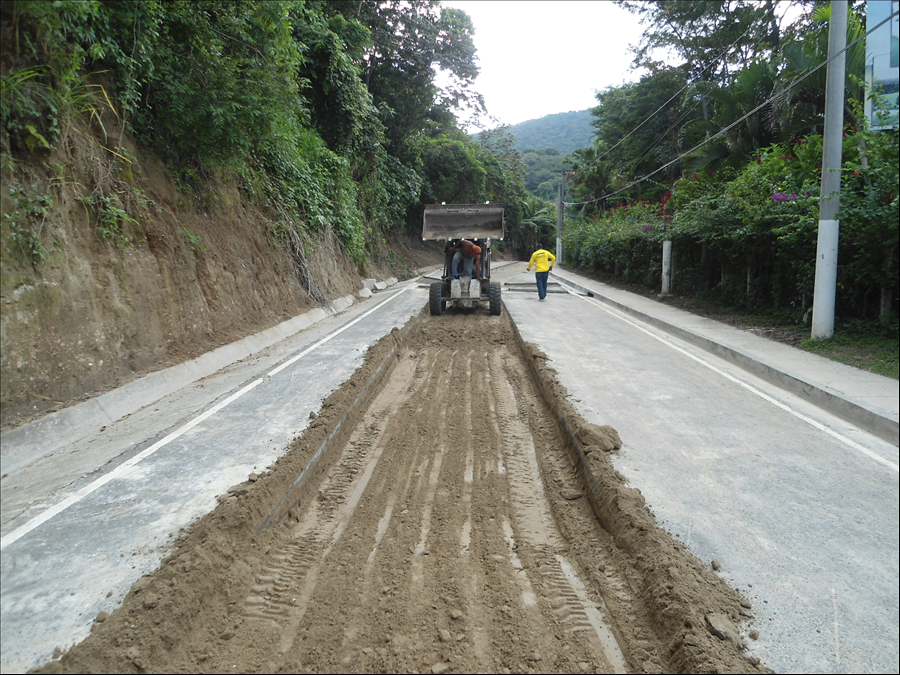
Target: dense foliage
(672, 158)
(327, 112)
(543, 170)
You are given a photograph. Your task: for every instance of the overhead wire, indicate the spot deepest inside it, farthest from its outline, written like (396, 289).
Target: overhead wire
(653, 145)
(679, 92)
(649, 149)
(671, 127)
(755, 110)
(741, 119)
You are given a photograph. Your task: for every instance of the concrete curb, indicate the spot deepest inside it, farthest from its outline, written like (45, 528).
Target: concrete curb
(335, 440)
(30, 442)
(598, 499)
(842, 406)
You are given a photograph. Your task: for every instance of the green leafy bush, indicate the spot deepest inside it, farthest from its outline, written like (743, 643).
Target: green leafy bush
(25, 224)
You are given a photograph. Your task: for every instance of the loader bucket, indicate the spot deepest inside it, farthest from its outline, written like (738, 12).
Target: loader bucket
(462, 221)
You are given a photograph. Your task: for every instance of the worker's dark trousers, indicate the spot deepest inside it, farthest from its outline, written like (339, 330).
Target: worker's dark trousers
(541, 278)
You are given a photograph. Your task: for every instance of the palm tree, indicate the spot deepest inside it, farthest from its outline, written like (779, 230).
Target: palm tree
(800, 105)
(538, 223)
(593, 177)
(799, 90)
(753, 84)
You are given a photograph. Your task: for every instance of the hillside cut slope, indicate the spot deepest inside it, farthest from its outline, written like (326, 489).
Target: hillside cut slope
(110, 270)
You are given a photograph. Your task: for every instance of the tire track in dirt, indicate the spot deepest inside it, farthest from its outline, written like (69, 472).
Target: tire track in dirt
(449, 535)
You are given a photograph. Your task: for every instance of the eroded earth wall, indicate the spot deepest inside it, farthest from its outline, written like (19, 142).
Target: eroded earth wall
(139, 274)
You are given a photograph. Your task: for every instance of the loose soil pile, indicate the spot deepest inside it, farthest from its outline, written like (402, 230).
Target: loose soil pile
(444, 530)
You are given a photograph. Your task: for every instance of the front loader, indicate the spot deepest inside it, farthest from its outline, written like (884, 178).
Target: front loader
(480, 224)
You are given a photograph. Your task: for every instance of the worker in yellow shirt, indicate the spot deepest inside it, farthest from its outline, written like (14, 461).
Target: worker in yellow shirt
(543, 262)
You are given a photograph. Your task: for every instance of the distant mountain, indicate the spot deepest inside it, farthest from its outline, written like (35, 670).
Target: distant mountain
(565, 132)
(545, 143)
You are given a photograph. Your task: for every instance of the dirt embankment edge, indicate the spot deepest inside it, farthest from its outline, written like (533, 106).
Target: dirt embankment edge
(140, 272)
(696, 612)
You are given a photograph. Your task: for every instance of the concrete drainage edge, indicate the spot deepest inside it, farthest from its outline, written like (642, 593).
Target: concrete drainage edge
(883, 427)
(306, 479)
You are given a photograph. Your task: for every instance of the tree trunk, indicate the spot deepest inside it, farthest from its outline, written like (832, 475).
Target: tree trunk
(774, 35)
(885, 309)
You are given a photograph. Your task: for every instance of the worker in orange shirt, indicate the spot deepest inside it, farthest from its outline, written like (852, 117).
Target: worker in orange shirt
(469, 254)
(543, 262)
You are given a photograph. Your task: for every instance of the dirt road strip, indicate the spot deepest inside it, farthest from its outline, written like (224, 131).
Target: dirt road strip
(450, 534)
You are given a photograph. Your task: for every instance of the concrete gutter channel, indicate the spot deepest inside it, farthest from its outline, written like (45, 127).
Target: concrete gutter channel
(599, 503)
(880, 423)
(324, 455)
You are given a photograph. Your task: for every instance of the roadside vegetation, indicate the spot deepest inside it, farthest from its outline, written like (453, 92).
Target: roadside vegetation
(325, 113)
(855, 347)
(742, 210)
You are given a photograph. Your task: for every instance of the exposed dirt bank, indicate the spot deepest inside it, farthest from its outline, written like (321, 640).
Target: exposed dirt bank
(447, 532)
(140, 273)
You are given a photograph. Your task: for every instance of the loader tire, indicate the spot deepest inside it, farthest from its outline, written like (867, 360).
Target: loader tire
(496, 305)
(435, 304)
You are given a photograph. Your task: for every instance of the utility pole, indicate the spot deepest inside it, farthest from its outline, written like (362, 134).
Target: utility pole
(666, 289)
(829, 226)
(559, 220)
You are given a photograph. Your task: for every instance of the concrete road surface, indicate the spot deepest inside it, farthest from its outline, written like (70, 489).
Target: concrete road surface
(798, 507)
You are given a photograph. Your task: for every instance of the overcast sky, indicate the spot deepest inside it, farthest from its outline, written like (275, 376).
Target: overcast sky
(539, 58)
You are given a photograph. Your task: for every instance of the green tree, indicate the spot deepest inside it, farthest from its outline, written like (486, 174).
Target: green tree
(752, 85)
(506, 170)
(800, 105)
(410, 40)
(537, 225)
(342, 108)
(593, 178)
(713, 38)
(452, 171)
(217, 78)
(632, 140)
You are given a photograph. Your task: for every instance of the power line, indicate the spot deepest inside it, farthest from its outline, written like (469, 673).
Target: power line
(663, 134)
(678, 93)
(749, 114)
(649, 149)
